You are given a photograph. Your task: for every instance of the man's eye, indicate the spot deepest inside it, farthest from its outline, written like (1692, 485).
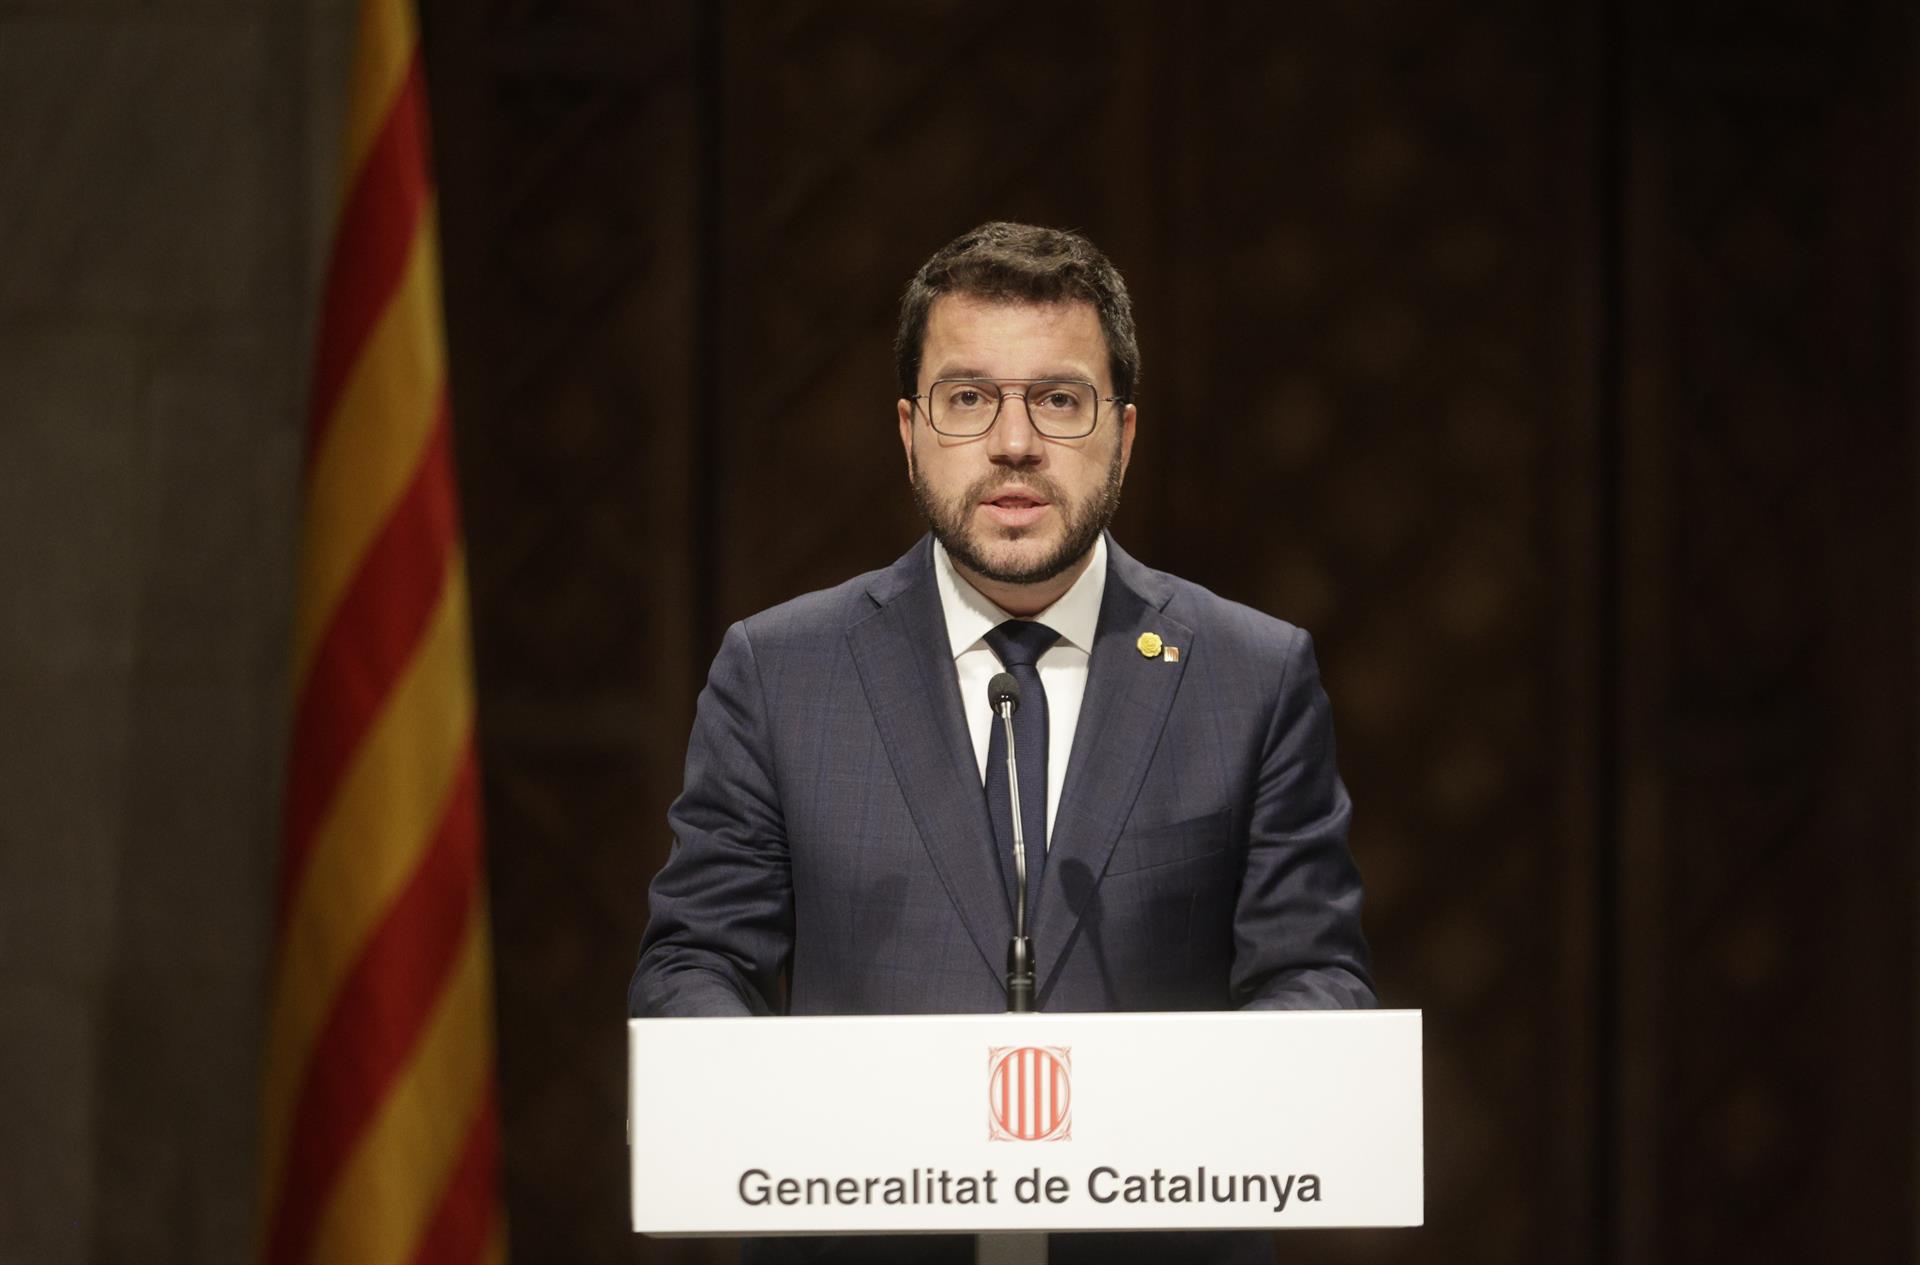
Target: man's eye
(966, 398)
(1062, 400)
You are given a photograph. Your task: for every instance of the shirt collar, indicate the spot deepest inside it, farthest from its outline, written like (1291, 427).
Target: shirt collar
(971, 616)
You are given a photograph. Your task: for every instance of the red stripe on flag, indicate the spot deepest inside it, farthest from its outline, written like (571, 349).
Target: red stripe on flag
(377, 226)
(1020, 1094)
(1035, 1125)
(1038, 1125)
(1053, 1083)
(458, 1232)
(1042, 1104)
(374, 1023)
(1014, 1090)
(369, 641)
(1026, 1093)
(1006, 1095)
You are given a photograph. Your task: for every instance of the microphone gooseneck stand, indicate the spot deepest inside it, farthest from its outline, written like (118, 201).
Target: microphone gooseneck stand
(1004, 692)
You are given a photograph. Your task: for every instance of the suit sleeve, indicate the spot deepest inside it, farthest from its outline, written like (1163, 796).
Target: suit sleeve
(720, 928)
(1297, 940)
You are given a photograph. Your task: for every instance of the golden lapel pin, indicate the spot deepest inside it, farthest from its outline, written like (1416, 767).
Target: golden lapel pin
(1173, 654)
(1149, 645)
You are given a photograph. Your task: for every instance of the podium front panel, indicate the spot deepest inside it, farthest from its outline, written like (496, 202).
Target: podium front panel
(969, 1123)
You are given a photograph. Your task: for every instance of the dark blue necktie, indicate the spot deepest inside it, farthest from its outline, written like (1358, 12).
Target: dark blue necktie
(1020, 643)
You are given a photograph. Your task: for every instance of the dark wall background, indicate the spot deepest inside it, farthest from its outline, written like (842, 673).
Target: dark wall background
(1551, 363)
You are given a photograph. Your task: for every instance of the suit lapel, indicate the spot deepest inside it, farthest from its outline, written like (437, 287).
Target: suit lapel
(1122, 715)
(906, 668)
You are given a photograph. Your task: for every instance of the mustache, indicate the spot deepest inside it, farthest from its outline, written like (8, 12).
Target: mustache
(989, 486)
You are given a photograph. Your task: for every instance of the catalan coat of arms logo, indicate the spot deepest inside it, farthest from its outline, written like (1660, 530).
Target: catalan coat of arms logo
(1030, 1093)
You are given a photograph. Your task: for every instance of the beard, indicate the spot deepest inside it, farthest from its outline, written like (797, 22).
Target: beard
(1081, 522)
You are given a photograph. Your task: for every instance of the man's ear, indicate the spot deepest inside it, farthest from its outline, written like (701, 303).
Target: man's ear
(905, 409)
(1127, 418)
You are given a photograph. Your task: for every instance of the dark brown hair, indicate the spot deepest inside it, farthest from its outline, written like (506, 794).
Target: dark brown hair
(1020, 263)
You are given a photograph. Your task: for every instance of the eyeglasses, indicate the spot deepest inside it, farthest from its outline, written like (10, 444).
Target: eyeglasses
(964, 408)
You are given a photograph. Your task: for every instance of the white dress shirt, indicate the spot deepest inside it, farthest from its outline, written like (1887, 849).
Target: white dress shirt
(1063, 668)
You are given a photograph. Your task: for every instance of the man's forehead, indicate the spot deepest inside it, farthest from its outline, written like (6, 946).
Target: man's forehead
(973, 325)
(965, 306)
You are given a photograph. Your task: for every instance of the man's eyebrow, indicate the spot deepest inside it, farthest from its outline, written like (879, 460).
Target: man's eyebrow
(948, 372)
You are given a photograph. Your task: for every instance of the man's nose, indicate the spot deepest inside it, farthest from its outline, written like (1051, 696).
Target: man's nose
(1013, 439)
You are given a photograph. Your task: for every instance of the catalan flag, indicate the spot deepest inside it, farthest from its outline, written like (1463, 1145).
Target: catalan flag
(380, 1132)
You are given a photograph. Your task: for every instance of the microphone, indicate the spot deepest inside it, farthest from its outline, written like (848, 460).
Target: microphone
(1004, 693)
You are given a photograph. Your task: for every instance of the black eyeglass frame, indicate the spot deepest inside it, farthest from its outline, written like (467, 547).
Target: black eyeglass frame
(998, 384)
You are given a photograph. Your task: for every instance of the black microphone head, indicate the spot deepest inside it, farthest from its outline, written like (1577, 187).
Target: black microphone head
(1003, 689)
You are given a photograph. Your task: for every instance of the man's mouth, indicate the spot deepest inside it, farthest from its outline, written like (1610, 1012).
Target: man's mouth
(1015, 508)
(1015, 500)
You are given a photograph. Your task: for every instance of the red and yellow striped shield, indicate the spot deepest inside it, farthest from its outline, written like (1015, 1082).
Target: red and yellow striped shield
(1030, 1093)
(380, 1135)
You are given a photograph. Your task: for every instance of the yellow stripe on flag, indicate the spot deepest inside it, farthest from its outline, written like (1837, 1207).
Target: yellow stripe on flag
(384, 50)
(372, 444)
(375, 833)
(390, 1188)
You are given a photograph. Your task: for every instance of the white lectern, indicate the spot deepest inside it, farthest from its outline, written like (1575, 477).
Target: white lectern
(1026, 1123)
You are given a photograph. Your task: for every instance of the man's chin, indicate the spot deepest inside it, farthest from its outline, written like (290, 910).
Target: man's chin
(1031, 560)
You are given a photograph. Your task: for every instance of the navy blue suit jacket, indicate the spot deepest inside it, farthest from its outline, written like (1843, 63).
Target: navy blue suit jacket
(833, 853)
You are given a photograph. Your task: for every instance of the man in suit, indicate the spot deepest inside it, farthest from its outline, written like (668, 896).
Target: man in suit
(843, 841)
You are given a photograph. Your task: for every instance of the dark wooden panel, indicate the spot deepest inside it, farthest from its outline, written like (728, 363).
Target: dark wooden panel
(569, 153)
(1767, 867)
(1384, 253)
